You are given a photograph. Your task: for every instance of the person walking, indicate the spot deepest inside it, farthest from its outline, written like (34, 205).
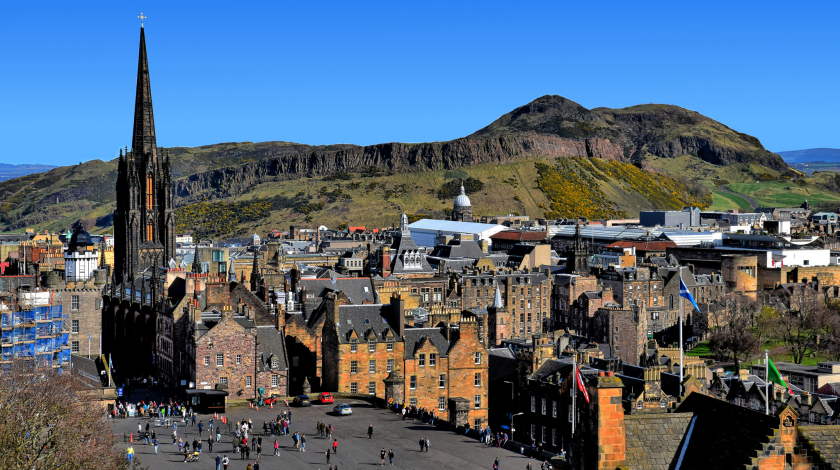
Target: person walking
(329, 430)
(276, 448)
(155, 442)
(370, 432)
(130, 453)
(391, 457)
(225, 462)
(422, 444)
(174, 437)
(496, 464)
(210, 443)
(247, 452)
(259, 451)
(218, 462)
(303, 442)
(218, 434)
(249, 467)
(427, 444)
(200, 427)
(335, 446)
(328, 453)
(253, 443)
(382, 456)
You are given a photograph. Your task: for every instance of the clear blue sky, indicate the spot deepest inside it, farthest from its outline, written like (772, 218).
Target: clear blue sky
(364, 72)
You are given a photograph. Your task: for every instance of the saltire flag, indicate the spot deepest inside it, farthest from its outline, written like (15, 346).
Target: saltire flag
(579, 382)
(684, 292)
(774, 376)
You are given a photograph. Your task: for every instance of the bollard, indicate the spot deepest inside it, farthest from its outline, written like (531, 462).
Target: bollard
(131, 437)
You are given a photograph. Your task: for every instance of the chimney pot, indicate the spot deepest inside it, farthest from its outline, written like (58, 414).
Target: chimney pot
(610, 373)
(600, 374)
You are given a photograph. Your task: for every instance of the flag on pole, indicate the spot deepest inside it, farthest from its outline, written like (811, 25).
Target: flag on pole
(579, 382)
(774, 376)
(684, 292)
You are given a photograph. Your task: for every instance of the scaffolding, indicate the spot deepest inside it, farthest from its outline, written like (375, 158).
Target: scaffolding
(32, 327)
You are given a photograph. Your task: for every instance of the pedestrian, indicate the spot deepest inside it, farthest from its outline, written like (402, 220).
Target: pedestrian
(247, 452)
(155, 442)
(249, 467)
(225, 462)
(259, 451)
(329, 430)
(370, 431)
(422, 444)
(496, 464)
(210, 443)
(180, 445)
(328, 452)
(218, 462)
(427, 444)
(382, 456)
(528, 467)
(276, 448)
(174, 437)
(200, 427)
(218, 434)
(253, 444)
(195, 445)
(391, 456)
(303, 442)
(256, 465)
(335, 446)
(130, 453)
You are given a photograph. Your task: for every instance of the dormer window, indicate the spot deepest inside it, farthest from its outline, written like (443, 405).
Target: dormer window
(354, 344)
(371, 344)
(274, 363)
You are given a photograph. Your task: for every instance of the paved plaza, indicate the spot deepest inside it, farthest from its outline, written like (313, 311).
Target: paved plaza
(355, 450)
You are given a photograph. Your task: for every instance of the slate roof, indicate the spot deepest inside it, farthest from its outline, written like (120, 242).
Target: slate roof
(725, 435)
(502, 364)
(271, 344)
(824, 441)
(551, 367)
(415, 337)
(459, 249)
(654, 440)
(364, 320)
(353, 288)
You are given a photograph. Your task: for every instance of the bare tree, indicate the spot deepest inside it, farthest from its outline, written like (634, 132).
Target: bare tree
(802, 321)
(46, 423)
(739, 327)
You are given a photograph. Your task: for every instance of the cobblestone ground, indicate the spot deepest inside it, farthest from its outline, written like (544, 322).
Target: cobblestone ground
(447, 450)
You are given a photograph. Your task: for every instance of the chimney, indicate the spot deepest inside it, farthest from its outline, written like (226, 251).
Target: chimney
(485, 247)
(398, 314)
(805, 399)
(303, 302)
(743, 375)
(280, 319)
(386, 261)
(609, 428)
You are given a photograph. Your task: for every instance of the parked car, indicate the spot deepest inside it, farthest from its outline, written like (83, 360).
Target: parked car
(301, 400)
(324, 398)
(343, 409)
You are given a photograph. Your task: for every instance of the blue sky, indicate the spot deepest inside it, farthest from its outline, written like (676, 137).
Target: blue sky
(366, 72)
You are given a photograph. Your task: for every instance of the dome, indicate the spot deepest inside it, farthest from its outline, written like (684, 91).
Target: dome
(79, 238)
(462, 200)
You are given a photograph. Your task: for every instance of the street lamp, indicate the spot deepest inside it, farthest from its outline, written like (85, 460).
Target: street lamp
(511, 424)
(511, 388)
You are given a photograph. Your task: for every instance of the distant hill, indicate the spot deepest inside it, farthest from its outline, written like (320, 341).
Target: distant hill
(9, 171)
(287, 183)
(812, 155)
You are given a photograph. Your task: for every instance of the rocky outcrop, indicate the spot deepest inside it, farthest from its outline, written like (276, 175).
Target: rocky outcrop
(395, 157)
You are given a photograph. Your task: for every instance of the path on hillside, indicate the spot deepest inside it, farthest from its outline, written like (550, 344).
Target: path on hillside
(753, 203)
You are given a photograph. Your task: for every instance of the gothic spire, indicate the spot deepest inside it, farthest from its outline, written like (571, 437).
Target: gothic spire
(143, 143)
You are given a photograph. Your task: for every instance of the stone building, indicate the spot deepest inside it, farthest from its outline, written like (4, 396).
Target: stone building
(462, 209)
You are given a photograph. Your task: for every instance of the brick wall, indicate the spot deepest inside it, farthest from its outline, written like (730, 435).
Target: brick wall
(362, 357)
(89, 318)
(463, 369)
(427, 391)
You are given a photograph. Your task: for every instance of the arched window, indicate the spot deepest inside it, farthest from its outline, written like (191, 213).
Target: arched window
(671, 301)
(150, 185)
(150, 231)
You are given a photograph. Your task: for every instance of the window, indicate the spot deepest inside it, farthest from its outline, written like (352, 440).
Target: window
(421, 360)
(442, 381)
(553, 408)
(570, 413)
(412, 401)
(554, 437)
(478, 379)
(354, 345)
(477, 401)
(371, 367)
(478, 358)
(220, 360)
(372, 345)
(542, 436)
(371, 388)
(389, 366)
(206, 360)
(442, 403)
(74, 302)
(354, 387)
(75, 326)
(432, 360)
(533, 431)
(238, 359)
(533, 404)
(247, 380)
(275, 363)
(412, 384)
(638, 405)
(543, 406)
(354, 367)
(74, 346)
(223, 380)
(389, 344)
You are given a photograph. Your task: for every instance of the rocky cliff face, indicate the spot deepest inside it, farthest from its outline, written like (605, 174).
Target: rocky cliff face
(395, 157)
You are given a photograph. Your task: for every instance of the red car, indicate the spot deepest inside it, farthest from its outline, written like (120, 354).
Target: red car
(325, 398)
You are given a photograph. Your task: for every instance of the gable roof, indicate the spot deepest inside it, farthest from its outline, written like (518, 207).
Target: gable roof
(416, 337)
(363, 320)
(654, 441)
(357, 289)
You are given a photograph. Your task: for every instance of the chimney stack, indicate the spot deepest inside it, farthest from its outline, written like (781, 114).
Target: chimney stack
(398, 314)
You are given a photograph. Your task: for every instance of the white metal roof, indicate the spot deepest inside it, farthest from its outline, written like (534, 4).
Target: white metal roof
(454, 226)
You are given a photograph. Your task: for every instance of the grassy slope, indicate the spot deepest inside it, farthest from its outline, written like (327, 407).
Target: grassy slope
(777, 193)
(722, 201)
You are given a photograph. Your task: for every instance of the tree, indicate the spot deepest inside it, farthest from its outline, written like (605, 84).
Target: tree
(47, 423)
(739, 327)
(801, 321)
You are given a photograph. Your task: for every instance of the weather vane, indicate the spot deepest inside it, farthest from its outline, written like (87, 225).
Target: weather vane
(142, 18)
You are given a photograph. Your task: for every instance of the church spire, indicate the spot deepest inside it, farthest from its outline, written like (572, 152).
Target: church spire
(143, 142)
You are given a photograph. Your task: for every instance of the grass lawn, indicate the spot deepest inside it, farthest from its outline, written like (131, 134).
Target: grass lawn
(701, 350)
(722, 202)
(787, 194)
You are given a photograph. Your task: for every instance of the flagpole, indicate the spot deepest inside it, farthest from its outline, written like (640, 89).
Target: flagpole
(574, 391)
(767, 383)
(681, 342)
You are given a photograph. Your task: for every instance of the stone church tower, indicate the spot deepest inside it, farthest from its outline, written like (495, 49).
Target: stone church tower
(577, 256)
(144, 221)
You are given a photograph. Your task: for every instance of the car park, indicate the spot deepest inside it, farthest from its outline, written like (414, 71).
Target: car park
(324, 398)
(343, 409)
(301, 400)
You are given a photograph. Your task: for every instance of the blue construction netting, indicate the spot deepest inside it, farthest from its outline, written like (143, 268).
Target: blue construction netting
(64, 356)
(28, 333)
(17, 318)
(6, 319)
(56, 311)
(65, 340)
(8, 352)
(28, 315)
(25, 350)
(42, 313)
(44, 345)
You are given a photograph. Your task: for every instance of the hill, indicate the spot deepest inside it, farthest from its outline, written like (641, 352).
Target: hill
(233, 188)
(812, 155)
(9, 171)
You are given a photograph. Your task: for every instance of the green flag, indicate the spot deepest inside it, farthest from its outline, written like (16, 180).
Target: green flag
(774, 376)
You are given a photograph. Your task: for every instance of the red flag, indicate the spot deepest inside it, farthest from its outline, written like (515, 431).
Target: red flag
(579, 381)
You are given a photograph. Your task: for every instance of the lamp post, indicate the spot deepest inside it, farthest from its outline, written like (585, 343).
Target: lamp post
(511, 424)
(511, 388)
